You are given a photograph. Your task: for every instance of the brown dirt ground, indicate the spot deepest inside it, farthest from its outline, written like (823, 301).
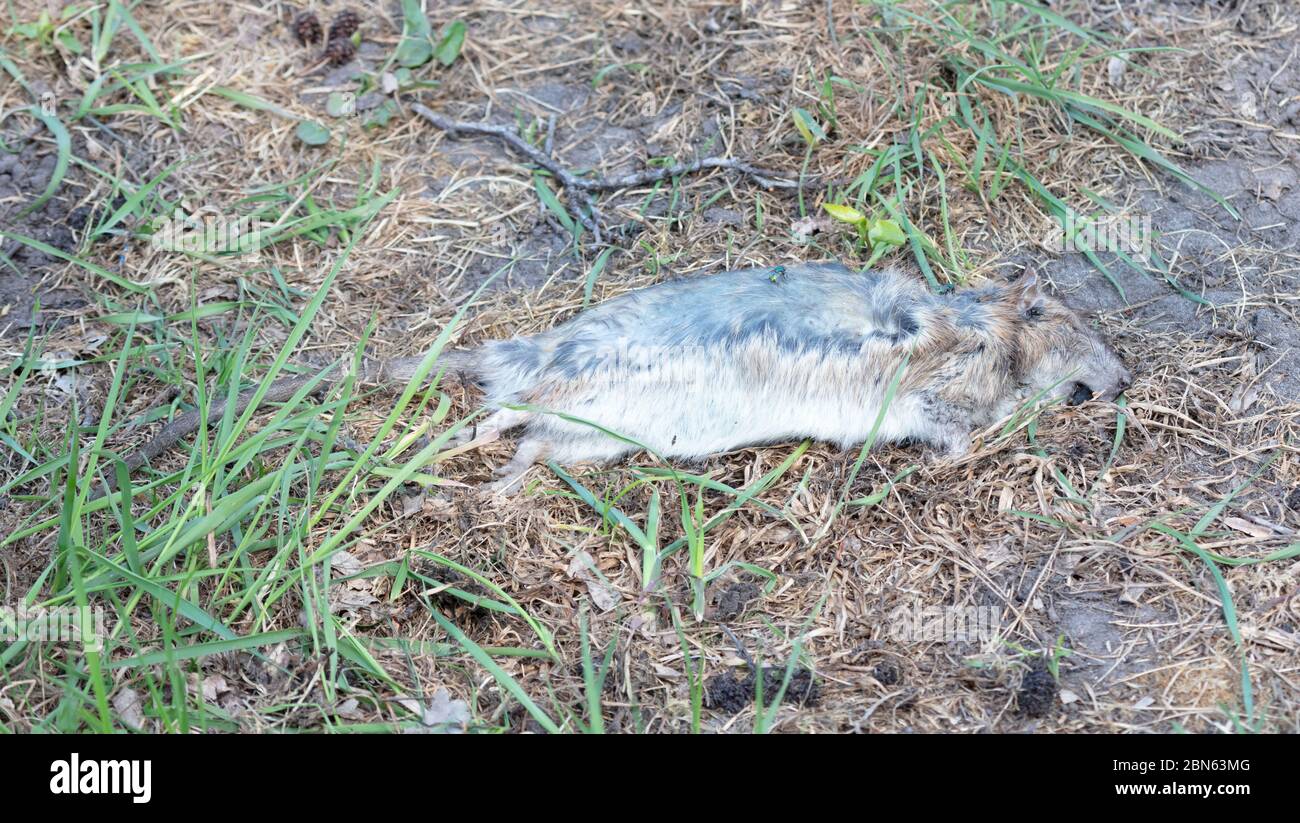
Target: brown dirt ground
(1216, 390)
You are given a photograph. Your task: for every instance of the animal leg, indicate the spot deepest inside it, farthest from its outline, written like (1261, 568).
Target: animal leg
(497, 423)
(947, 427)
(956, 444)
(529, 451)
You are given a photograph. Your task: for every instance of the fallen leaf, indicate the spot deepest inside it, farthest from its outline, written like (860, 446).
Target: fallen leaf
(442, 716)
(214, 685)
(1247, 527)
(1249, 105)
(129, 708)
(1243, 398)
(345, 564)
(1132, 594)
(350, 600)
(349, 709)
(806, 227)
(1115, 69)
(603, 595)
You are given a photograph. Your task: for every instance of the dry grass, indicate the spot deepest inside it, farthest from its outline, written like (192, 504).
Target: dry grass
(1140, 617)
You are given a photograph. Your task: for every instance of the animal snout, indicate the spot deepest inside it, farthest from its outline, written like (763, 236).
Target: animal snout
(1081, 393)
(1121, 385)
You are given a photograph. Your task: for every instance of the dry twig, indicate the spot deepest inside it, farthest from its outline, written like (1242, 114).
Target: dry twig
(580, 188)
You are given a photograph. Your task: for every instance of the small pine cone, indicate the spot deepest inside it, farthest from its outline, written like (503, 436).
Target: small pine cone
(307, 28)
(344, 24)
(339, 51)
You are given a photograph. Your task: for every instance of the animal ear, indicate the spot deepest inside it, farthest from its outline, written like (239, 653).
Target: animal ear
(1026, 291)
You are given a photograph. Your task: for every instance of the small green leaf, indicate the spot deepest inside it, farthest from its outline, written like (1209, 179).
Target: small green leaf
(380, 116)
(453, 38)
(808, 128)
(596, 269)
(312, 133)
(415, 22)
(341, 104)
(844, 213)
(247, 100)
(62, 141)
(414, 52)
(70, 41)
(552, 203)
(599, 76)
(887, 232)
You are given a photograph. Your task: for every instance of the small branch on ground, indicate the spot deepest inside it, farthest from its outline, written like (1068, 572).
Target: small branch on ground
(765, 179)
(581, 199)
(579, 189)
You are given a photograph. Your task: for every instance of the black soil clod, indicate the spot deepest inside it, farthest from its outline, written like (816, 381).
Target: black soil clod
(887, 673)
(733, 600)
(730, 695)
(727, 694)
(1037, 691)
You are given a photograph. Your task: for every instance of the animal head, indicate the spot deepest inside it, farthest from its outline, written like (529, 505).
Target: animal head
(1060, 353)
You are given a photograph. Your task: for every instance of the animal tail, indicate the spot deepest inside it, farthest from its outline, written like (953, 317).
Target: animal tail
(400, 370)
(189, 422)
(403, 369)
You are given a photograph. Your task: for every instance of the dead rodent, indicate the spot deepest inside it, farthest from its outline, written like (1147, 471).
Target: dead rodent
(706, 365)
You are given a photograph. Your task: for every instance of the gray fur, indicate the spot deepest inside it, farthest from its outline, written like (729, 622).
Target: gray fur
(707, 365)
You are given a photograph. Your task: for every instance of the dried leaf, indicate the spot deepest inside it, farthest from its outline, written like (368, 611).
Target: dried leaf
(129, 708)
(1243, 398)
(802, 230)
(349, 709)
(1247, 527)
(214, 685)
(603, 595)
(1115, 68)
(442, 716)
(345, 564)
(1249, 105)
(349, 600)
